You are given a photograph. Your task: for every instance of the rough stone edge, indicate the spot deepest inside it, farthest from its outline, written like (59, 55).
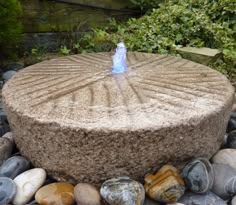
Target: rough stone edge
(30, 136)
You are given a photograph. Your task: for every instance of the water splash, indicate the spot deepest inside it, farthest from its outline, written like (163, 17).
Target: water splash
(119, 59)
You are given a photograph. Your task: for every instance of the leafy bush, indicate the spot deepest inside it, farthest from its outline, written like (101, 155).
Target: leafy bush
(146, 5)
(10, 27)
(198, 23)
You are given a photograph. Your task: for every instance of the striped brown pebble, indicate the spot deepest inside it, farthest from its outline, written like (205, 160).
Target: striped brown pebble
(165, 186)
(82, 123)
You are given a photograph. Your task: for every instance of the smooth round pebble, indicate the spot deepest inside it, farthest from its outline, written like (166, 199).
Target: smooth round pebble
(233, 202)
(8, 75)
(7, 190)
(225, 181)
(87, 194)
(199, 175)
(231, 140)
(60, 193)
(10, 136)
(122, 191)
(27, 184)
(165, 186)
(209, 198)
(14, 166)
(14, 66)
(6, 147)
(225, 156)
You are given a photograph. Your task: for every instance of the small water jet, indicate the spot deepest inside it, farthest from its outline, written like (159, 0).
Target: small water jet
(119, 59)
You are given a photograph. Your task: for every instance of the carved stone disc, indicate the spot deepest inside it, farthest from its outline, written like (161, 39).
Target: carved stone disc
(78, 120)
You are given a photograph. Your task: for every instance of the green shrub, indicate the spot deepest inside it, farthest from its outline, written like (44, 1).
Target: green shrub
(198, 23)
(146, 5)
(10, 27)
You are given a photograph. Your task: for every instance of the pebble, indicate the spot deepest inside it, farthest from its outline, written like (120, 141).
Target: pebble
(7, 190)
(225, 181)
(209, 198)
(198, 175)
(225, 156)
(8, 75)
(122, 191)
(232, 122)
(10, 136)
(4, 125)
(14, 166)
(233, 202)
(86, 194)
(14, 66)
(60, 193)
(27, 184)
(165, 186)
(6, 147)
(231, 140)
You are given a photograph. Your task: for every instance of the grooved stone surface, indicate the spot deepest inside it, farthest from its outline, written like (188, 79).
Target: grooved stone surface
(82, 123)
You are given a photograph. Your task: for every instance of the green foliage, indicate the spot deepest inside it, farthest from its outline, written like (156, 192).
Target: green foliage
(64, 51)
(35, 55)
(197, 23)
(146, 5)
(10, 27)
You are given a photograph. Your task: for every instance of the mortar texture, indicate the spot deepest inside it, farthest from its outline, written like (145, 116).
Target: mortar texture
(73, 117)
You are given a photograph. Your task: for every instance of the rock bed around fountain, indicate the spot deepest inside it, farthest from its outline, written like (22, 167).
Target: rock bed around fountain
(200, 182)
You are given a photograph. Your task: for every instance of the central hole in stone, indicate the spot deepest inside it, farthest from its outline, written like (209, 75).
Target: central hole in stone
(119, 59)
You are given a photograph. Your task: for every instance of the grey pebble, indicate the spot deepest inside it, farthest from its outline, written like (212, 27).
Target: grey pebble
(209, 198)
(7, 190)
(14, 166)
(198, 175)
(6, 147)
(8, 75)
(225, 181)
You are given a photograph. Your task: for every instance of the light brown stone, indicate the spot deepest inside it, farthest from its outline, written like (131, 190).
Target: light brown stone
(86, 194)
(82, 123)
(60, 193)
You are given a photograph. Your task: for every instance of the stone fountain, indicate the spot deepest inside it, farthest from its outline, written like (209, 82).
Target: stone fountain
(82, 122)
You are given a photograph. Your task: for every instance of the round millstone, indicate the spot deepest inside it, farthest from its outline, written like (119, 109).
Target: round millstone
(73, 117)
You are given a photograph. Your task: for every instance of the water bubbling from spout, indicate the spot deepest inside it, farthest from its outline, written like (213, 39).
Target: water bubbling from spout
(119, 59)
